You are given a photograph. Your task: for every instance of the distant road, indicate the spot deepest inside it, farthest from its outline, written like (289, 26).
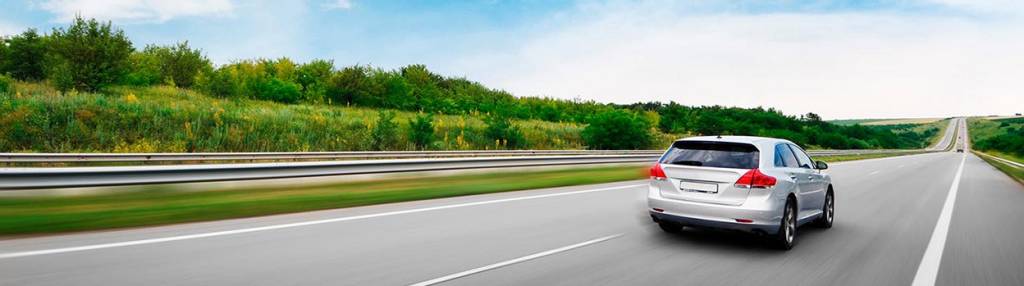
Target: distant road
(947, 137)
(887, 216)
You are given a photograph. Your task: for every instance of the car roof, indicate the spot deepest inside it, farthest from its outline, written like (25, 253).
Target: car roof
(736, 139)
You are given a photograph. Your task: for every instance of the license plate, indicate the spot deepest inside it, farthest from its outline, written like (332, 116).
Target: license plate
(698, 187)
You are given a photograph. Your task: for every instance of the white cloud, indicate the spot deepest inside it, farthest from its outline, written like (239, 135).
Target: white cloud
(135, 10)
(9, 29)
(840, 65)
(339, 4)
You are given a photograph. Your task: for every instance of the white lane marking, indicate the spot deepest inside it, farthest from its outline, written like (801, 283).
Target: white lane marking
(872, 173)
(901, 166)
(297, 224)
(928, 270)
(514, 261)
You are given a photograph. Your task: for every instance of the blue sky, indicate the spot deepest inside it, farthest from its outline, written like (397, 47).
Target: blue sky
(837, 58)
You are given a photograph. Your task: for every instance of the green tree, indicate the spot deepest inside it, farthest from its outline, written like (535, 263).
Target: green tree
(314, 78)
(384, 135)
(23, 58)
(181, 64)
(87, 55)
(618, 130)
(348, 84)
(421, 131)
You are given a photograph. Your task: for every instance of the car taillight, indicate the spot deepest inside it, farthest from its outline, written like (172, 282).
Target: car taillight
(657, 173)
(754, 179)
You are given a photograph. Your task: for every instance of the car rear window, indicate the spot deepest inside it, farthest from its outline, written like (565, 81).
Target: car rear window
(712, 154)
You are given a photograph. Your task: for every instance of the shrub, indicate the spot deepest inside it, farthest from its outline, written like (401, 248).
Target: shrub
(504, 133)
(617, 130)
(421, 131)
(6, 84)
(385, 133)
(273, 80)
(146, 68)
(88, 55)
(278, 90)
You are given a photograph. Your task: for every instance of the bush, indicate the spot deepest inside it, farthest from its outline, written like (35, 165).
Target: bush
(618, 130)
(146, 68)
(88, 55)
(385, 133)
(274, 80)
(6, 84)
(278, 90)
(22, 57)
(421, 131)
(504, 133)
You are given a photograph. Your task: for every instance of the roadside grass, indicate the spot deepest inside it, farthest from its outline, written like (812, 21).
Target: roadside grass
(161, 205)
(1012, 171)
(981, 128)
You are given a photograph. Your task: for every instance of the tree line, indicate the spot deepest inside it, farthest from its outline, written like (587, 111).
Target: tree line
(90, 56)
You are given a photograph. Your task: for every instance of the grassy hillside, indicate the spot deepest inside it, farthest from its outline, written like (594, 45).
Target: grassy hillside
(37, 118)
(1001, 137)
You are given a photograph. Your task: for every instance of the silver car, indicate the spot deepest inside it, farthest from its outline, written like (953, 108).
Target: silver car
(754, 184)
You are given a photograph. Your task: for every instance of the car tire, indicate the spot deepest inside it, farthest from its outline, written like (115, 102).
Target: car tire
(786, 236)
(670, 227)
(828, 211)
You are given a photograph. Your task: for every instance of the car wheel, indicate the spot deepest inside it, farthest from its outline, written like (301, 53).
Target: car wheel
(670, 227)
(786, 236)
(828, 211)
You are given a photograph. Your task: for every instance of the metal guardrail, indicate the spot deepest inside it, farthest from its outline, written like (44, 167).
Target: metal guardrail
(68, 177)
(1004, 161)
(15, 178)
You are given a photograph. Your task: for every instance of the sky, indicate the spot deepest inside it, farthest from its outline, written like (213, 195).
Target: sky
(839, 59)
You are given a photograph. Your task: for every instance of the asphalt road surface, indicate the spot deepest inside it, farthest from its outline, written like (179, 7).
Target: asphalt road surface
(894, 226)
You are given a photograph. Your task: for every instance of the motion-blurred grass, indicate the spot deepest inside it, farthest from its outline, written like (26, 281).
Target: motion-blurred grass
(161, 205)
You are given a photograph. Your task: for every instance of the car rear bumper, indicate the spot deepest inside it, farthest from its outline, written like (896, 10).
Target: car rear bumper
(757, 214)
(698, 222)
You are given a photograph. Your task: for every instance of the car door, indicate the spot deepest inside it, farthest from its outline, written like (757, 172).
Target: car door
(786, 160)
(812, 193)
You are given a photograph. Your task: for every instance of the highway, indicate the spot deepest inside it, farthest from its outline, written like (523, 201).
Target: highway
(894, 226)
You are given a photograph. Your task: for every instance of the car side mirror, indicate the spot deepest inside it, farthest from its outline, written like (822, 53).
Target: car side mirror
(820, 165)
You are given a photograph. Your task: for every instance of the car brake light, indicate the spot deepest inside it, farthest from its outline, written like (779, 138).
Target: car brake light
(754, 179)
(657, 173)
